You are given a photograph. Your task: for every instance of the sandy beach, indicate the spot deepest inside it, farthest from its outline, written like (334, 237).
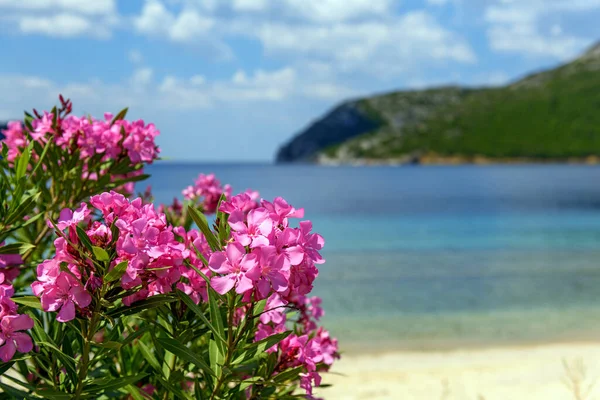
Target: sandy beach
(503, 373)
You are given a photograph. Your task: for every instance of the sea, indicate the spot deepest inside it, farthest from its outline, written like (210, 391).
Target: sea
(436, 257)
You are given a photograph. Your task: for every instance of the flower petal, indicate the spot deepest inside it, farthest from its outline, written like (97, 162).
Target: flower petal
(222, 284)
(7, 351)
(67, 312)
(80, 296)
(23, 341)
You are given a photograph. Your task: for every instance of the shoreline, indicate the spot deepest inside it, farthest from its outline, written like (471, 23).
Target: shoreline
(527, 372)
(435, 159)
(356, 349)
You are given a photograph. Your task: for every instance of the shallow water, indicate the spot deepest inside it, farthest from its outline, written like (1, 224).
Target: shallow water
(423, 257)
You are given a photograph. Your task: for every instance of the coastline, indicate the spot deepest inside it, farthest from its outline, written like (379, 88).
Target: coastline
(527, 372)
(435, 159)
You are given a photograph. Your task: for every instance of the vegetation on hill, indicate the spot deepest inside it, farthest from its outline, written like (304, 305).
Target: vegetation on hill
(550, 115)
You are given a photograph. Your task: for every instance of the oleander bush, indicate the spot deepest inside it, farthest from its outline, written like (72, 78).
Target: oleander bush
(104, 294)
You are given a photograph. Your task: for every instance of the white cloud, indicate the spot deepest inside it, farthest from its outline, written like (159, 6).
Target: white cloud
(197, 80)
(250, 5)
(60, 25)
(154, 19)
(336, 10)
(189, 25)
(93, 7)
(396, 45)
(61, 18)
(142, 77)
(514, 26)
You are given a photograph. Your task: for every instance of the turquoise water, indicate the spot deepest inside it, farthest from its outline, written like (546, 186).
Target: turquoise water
(428, 257)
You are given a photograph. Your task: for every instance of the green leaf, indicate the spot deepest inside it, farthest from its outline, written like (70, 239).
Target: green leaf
(67, 361)
(117, 272)
(288, 375)
(215, 314)
(183, 352)
(139, 306)
(134, 392)
(179, 394)
(50, 394)
(113, 383)
(14, 248)
(16, 393)
(29, 301)
(5, 367)
(192, 306)
(41, 158)
(83, 238)
(108, 345)
(22, 162)
(249, 382)
(202, 224)
(147, 353)
(216, 357)
(121, 115)
(24, 207)
(100, 253)
(268, 342)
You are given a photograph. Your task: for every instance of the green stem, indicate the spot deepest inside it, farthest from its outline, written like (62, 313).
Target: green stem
(231, 341)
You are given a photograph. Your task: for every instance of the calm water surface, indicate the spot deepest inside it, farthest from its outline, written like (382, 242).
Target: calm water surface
(427, 257)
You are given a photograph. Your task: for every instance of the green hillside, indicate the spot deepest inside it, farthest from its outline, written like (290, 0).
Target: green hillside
(549, 115)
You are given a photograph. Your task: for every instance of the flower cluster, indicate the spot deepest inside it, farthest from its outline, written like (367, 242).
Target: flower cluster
(267, 258)
(265, 255)
(145, 242)
(207, 191)
(308, 346)
(191, 282)
(12, 324)
(108, 138)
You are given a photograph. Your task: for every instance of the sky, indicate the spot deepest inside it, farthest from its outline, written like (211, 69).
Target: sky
(232, 80)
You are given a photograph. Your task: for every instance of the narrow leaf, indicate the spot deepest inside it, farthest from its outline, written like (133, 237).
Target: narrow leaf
(183, 352)
(83, 238)
(139, 306)
(121, 115)
(29, 301)
(202, 224)
(117, 272)
(113, 383)
(100, 253)
(192, 306)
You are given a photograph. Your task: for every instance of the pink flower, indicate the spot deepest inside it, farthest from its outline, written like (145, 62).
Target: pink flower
(281, 211)
(274, 311)
(140, 141)
(286, 246)
(11, 339)
(8, 262)
(273, 271)
(239, 269)
(63, 294)
(208, 190)
(14, 137)
(254, 232)
(243, 202)
(68, 218)
(42, 126)
(306, 382)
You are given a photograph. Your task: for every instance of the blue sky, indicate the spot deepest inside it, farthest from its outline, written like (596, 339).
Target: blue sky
(231, 80)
